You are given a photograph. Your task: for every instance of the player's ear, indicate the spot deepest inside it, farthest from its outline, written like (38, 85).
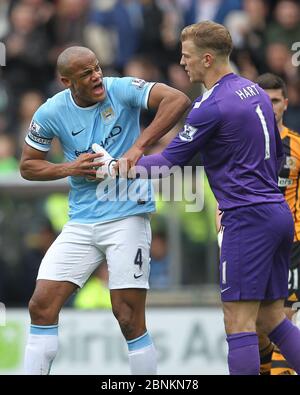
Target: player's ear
(66, 82)
(207, 59)
(286, 103)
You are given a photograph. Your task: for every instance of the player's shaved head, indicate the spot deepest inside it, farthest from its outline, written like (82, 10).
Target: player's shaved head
(71, 56)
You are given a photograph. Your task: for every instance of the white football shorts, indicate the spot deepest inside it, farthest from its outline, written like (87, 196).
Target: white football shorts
(80, 248)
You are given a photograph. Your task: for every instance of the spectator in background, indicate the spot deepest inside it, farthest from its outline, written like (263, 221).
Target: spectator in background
(26, 51)
(4, 21)
(160, 261)
(278, 59)
(286, 25)
(215, 10)
(254, 38)
(8, 162)
(36, 244)
(121, 19)
(247, 28)
(292, 113)
(28, 104)
(69, 22)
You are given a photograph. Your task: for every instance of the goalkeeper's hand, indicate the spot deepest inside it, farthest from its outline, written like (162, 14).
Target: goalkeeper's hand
(107, 169)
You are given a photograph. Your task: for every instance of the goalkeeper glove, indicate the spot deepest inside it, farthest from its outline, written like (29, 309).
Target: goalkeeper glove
(108, 168)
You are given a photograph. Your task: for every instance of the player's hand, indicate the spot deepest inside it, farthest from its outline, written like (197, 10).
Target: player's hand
(85, 165)
(123, 170)
(108, 162)
(132, 156)
(125, 167)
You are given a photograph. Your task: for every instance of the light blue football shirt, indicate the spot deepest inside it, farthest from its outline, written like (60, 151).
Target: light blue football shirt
(114, 124)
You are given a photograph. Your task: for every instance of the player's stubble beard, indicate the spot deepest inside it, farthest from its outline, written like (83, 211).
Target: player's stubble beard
(83, 96)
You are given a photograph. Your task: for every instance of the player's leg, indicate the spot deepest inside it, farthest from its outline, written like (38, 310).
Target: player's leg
(240, 319)
(44, 308)
(266, 348)
(279, 364)
(67, 264)
(272, 316)
(281, 331)
(246, 261)
(129, 309)
(127, 253)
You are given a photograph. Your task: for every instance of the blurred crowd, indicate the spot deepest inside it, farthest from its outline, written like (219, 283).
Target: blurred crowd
(139, 38)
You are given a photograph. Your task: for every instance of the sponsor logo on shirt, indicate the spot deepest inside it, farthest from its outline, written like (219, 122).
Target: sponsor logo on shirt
(290, 162)
(284, 182)
(116, 130)
(89, 150)
(138, 83)
(187, 134)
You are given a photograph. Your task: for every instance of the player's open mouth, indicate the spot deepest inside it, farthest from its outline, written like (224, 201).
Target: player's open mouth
(98, 89)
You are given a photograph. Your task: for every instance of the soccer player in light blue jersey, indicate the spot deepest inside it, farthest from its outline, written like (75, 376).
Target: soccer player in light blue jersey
(95, 110)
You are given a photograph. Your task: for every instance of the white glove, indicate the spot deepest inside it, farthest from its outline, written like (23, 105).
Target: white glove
(107, 169)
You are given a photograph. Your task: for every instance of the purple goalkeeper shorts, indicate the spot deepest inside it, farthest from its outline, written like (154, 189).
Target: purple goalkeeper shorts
(255, 252)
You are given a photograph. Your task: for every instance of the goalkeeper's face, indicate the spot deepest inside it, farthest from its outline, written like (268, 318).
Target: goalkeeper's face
(86, 82)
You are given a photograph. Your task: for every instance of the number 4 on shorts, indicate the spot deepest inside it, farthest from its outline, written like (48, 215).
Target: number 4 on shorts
(138, 260)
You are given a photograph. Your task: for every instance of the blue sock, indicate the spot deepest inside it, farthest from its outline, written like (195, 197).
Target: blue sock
(140, 342)
(44, 330)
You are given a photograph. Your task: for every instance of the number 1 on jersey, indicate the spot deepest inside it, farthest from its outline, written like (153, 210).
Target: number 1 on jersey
(265, 130)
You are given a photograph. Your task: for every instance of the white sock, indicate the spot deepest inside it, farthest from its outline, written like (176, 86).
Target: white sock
(41, 349)
(142, 355)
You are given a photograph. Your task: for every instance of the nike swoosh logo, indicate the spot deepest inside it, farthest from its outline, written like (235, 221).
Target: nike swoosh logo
(75, 133)
(225, 289)
(137, 275)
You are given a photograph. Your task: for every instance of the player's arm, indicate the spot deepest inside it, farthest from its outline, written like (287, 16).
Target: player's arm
(201, 123)
(35, 167)
(170, 105)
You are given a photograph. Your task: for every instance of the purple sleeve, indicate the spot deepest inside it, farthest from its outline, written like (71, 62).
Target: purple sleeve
(156, 166)
(200, 125)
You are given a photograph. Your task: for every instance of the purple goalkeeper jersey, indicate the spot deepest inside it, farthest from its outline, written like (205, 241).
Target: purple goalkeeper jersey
(233, 127)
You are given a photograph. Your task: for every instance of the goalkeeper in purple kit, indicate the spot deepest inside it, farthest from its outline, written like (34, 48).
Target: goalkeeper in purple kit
(233, 126)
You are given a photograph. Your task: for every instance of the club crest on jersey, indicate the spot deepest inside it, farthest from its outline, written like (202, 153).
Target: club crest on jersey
(107, 113)
(187, 134)
(138, 83)
(290, 162)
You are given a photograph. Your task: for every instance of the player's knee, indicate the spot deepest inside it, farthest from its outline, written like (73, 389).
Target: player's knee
(42, 313)
(236, 324)
(128, 320)
(124, 315)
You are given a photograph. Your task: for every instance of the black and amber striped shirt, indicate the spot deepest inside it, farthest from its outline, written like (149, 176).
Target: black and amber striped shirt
(289, 175)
